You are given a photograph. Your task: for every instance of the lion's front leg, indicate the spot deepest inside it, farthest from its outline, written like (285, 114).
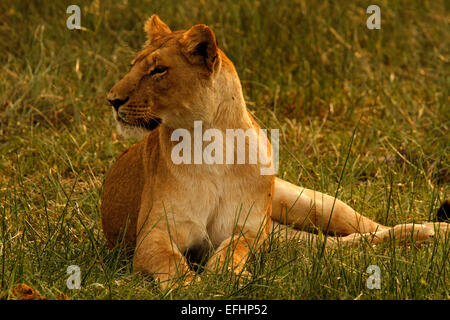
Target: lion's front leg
(158, 255)
(234, 252)
(159, 246)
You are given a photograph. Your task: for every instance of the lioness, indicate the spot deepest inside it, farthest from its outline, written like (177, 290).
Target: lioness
(165, 210)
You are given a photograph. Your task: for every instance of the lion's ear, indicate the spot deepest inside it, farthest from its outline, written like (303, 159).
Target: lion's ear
(199, 45)
(154, 27)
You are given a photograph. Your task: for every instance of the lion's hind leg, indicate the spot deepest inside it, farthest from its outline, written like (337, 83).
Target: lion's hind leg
(284, 232)
(296, 209)
(403, 233)
(312, 210)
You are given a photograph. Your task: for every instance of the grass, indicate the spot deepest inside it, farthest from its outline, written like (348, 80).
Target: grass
(310, 68)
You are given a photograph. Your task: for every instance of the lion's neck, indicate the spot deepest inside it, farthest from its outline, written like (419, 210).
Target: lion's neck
(231, 111)
(226, 107)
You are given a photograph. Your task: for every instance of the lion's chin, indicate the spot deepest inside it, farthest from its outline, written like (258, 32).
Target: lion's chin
(128, 131)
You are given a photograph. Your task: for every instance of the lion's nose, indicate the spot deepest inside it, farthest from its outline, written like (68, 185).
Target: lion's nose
(116, 103)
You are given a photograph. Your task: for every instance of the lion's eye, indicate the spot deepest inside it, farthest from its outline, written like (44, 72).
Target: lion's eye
(159, 70)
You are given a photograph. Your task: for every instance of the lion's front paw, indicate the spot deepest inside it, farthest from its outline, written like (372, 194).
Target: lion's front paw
(167, 282)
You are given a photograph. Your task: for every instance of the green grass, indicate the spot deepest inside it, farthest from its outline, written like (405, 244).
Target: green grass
(310, 68)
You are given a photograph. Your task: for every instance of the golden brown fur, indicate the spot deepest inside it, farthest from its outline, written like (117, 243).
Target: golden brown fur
(163, 210)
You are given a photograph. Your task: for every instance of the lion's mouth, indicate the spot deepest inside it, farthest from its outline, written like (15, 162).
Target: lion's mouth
(149, 125)
(152, 124)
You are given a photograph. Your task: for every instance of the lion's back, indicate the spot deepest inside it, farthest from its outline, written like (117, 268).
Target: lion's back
(122, 190)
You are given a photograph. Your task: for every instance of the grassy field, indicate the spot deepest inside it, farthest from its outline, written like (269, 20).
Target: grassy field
(309, 68)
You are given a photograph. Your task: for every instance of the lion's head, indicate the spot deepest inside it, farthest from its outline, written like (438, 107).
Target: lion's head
(177, 78)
